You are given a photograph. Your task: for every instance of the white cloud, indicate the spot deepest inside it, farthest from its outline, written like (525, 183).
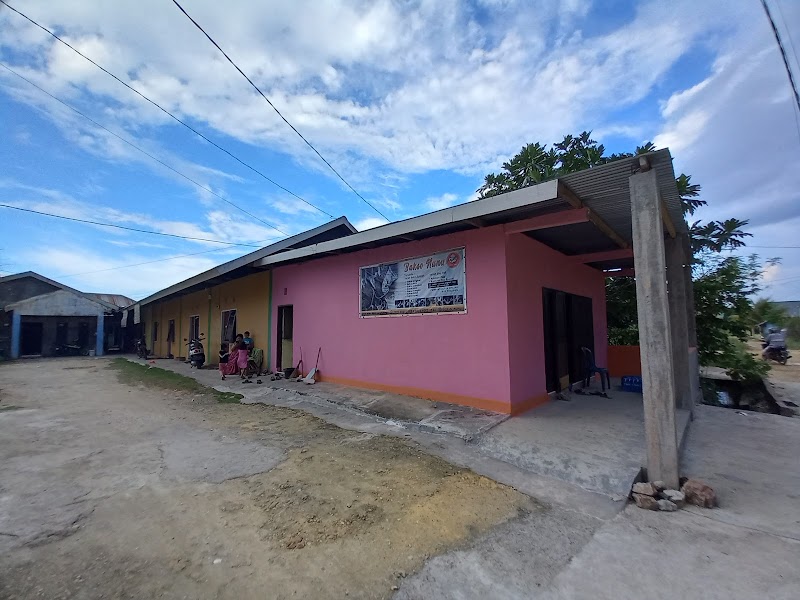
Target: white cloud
(101, 272)
(439, 202)
(409, 88)
(219, 225)
(369, 223)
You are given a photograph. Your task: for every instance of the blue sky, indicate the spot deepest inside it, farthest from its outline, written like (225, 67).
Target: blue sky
(412, 102)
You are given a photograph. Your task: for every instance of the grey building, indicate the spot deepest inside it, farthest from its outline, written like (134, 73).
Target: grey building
(792, 307)
(41, 317)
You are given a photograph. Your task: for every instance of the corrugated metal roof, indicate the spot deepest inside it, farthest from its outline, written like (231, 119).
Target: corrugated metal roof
(116, 299)
(605, 190)
(335, 229)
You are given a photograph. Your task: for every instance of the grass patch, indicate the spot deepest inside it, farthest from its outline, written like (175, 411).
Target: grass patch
(134, 373)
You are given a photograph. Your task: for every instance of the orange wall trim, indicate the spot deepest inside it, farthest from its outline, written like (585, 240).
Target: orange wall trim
(533, 402)
(624, 360)
(481, 403)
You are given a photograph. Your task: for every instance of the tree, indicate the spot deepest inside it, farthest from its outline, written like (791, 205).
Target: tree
(723, 284)
(766, 311)
(534, 163)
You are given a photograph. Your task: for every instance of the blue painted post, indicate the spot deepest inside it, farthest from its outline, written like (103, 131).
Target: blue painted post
(100, 335)
(16, 330)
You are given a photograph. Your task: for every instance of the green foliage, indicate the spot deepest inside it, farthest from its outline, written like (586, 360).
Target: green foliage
(623, 322)
(764, 310)
(740, 364)
(723, 285)
(134, 373)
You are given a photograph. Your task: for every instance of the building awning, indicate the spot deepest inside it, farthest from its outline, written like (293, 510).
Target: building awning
(585, 214)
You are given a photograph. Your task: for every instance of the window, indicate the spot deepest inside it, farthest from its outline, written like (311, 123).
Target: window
(171, 331)
(194, 327)
(155, 331)
(228, 325)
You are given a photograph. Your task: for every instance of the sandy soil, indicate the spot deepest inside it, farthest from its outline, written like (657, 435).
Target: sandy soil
(790, 372)
(109, 491)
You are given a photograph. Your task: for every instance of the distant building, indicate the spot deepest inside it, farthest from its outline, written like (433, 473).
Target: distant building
(792, 307)
(41, 317)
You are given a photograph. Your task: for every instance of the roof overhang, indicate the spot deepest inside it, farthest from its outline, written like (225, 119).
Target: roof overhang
(245, 265)
(580, 214)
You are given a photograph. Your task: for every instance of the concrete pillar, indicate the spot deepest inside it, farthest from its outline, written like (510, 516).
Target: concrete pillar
(694, 361)
(98, 346)
(655, 339)
(16, 333)
(679, 319)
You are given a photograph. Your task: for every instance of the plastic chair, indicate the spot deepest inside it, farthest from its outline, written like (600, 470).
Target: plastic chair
(591, 368)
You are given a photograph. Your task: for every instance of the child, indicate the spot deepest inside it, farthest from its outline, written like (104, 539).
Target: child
(223, 353)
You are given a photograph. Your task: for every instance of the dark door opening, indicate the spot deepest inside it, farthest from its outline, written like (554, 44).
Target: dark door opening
(31, 339)
(83, 335)
(170, 337)
(285, 351)
(568, 327)
(62, 333)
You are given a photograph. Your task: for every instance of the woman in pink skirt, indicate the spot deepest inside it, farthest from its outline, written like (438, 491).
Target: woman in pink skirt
(237, 360)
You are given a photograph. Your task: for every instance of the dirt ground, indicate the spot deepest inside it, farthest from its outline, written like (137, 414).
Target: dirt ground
(115, 491)
(790, 372)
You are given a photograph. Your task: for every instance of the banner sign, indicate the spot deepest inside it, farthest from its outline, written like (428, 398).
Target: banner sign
(426, 284)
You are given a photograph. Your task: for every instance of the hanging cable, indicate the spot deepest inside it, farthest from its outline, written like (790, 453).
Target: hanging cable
(285, 120)
(792, 82)
(168, 113)
(88, 222)
(149, 262)
(132, 145)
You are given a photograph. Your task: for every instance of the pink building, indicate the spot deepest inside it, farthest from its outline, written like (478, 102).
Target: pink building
(491, 354)
(497, 303)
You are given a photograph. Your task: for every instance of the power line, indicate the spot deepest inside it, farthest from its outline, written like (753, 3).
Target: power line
(165, 111)
(788, 33)
(88, 222)
(132, 145)
(285, 120)
(785, 62)
(149, 262)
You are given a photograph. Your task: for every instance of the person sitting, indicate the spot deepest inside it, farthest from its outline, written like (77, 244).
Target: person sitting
(248, 341)
(775, 340)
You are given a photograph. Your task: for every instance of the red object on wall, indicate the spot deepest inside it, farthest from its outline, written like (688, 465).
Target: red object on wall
(624, 360)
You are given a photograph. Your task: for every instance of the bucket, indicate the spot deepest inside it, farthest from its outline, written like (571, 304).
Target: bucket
(91, 352)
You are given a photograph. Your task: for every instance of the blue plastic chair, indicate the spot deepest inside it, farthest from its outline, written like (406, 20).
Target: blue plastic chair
(591, 368)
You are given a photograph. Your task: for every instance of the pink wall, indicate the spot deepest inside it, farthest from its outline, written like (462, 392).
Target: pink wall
(464, 355)
(530, 267)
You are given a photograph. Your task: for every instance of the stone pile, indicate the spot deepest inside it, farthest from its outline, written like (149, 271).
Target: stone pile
(655, 495)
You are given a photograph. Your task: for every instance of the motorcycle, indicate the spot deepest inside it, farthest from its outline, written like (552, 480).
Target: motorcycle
(197, 354)
(779, 355)
(141, 349)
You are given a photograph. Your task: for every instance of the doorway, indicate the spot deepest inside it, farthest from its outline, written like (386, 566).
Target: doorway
(62, 333)
(31, 339)
(83, 335)
(194, 327)
(285, 350)
(170, 337)
(568, 326)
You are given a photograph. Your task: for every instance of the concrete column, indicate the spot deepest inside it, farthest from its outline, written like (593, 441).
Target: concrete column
(655, 339)
(694, 361)
(98, 346)
(16, 333)
(679, 319)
